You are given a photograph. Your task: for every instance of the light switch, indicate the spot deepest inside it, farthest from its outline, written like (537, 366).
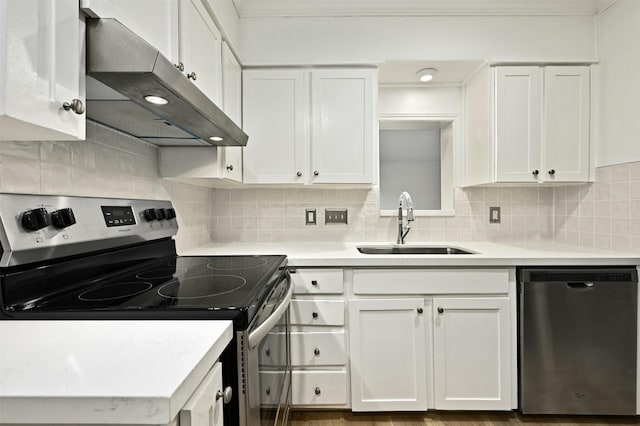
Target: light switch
(310, 217)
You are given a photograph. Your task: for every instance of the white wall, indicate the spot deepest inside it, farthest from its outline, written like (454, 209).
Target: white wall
(417, 100)
(618, 136)
(349, 40)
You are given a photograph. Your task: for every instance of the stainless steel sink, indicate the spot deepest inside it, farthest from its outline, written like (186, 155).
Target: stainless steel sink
(412, 250)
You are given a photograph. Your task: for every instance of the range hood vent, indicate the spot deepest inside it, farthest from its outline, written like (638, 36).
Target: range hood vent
(123, 69)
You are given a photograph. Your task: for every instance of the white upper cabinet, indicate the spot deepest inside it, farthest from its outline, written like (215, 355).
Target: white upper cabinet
(158, 25)
(528, 124)
(231, 158)
(274, 117)
(201, 49)
(183, 31)
(41, 70)
(566, 118)
(518, 123)
(309, 127)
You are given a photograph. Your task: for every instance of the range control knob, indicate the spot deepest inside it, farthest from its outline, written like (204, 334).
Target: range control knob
(63, 218)
(35, 219)
(169, 213)
(160, 214)
(149, 214)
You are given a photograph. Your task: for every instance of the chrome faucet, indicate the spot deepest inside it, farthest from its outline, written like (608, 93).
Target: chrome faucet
(404, 202)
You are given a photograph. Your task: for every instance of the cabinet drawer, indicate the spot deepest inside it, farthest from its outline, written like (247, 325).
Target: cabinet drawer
(317, 312)
(431, 281)
(319, 387)
(273, 350)
(311, 349)
(317, 281)
(269, 387)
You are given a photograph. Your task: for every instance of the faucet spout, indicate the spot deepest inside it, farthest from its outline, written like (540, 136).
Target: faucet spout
(403, 229)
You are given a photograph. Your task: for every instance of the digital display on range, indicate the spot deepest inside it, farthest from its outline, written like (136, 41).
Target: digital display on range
(118, 215)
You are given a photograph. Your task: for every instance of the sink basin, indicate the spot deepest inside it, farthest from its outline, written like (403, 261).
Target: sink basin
(412, 250)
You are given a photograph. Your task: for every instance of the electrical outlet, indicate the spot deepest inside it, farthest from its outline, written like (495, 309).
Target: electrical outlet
(494, 214)
(335, 216)
(310, 217)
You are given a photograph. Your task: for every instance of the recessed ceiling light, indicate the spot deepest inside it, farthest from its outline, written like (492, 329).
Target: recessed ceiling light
(157, 100)
(215, 138)
(426, 74)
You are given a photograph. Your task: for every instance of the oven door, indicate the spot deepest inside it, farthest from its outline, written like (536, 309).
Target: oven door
(269, 367)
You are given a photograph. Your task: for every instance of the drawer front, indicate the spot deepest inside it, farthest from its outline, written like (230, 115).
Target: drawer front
(273, 350)
(319, 387)
(317, 312)
(269, 382)
(311, 349)
(431, 281)
(316, 281)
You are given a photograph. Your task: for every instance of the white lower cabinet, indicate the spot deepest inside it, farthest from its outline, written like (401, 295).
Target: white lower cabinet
(432, 338)
(388, 354)
(319, 354)
(204, 408)
(472, 353)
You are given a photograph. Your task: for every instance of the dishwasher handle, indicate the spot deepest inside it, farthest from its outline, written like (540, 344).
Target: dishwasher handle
(581, 285)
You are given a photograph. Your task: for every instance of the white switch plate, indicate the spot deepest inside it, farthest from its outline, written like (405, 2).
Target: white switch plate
(494, 214)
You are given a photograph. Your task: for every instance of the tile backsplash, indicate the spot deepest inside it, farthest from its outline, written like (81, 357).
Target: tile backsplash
(604, 214)
(106, 164)
(278, 215)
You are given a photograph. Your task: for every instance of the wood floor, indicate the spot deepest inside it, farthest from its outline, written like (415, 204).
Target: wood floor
(343, 418)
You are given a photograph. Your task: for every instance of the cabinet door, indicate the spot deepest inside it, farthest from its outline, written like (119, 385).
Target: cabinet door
(566, 123)
(388, 355)
(42, 48)
(472, 346)
(204, 408)
(343, 107)
(274, 118)
(231, 165)
(201, 49)
(156, 23)
(518, 133)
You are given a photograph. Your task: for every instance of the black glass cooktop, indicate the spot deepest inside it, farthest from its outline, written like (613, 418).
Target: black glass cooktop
(216, 287)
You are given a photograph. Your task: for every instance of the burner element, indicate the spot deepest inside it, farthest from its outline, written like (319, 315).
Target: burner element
(161, 273)
(200, 287)
(236, 263)
(115, 291)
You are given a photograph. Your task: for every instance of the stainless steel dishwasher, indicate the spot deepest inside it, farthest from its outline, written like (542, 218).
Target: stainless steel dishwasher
(578, 340)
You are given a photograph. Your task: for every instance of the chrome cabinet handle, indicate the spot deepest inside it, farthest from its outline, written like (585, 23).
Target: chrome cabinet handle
(316, 351)
(318, 391)
(299, 173)
(535, 172)
(267, 352)
(316, 173)
(314, 315)
(268, 391)
(225, 394)
(552, 172)
(440, 310)
(230, 167)
(420, 310)
(180, 66)
(75, 105)
(192, 76)
(314, 282)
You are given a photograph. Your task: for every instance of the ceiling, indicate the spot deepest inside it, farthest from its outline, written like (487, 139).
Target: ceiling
(404, 72)
(310, 8)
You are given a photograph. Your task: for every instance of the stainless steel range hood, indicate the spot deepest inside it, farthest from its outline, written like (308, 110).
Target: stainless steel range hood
(122, 69)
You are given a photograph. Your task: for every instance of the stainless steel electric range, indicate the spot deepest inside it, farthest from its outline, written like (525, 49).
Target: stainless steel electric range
(101, 258)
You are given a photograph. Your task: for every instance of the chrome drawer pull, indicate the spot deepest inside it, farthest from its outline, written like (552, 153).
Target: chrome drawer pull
(318, 391)
(316, 351)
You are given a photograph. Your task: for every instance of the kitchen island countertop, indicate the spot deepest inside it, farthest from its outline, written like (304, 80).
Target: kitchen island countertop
(104, 372)
(486, 254)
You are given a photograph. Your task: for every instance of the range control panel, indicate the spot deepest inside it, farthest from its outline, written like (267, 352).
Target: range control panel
(38, 227)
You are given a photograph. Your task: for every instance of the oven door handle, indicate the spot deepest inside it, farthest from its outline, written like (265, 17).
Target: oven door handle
(261, 331)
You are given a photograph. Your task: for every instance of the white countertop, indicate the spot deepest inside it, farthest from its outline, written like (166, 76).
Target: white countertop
(487, 254)
(136, 372)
